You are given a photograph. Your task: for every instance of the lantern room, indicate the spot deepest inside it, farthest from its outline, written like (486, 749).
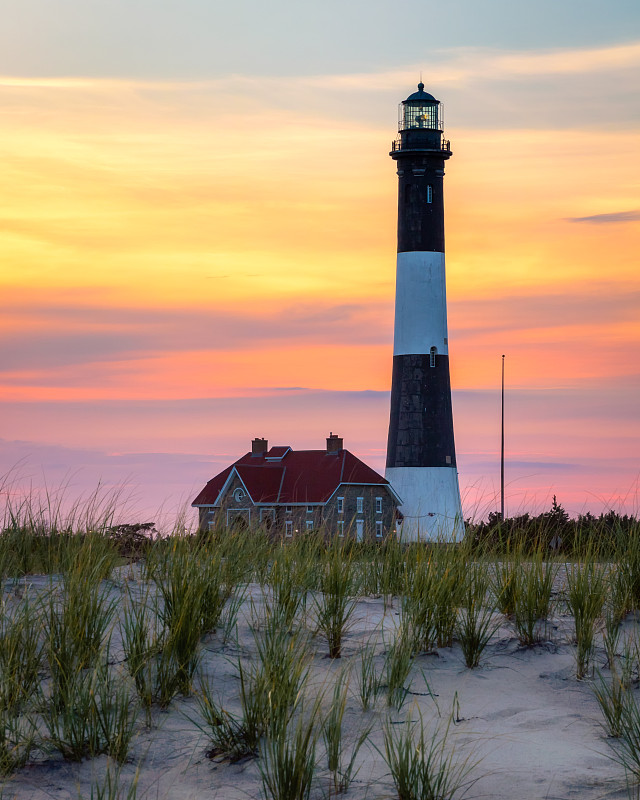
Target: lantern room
(421, 110)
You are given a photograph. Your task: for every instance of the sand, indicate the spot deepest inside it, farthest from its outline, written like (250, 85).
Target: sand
(534, 729)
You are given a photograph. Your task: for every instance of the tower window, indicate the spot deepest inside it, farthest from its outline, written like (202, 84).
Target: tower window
(429, 194)
(432, 356)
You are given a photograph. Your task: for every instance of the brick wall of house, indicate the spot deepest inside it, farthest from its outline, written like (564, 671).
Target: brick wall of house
(234, 508)
(350, 514)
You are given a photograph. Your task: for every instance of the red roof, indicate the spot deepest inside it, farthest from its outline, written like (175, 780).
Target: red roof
(299, 476)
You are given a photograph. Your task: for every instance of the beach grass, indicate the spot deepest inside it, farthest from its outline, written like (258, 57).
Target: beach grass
(93, 654)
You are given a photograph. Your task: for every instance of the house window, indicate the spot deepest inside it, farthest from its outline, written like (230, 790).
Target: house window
(378, 505)
(340, 505)
(429, 194)
(288, 528)
(432, 356)
(379, 529)
(309, 525)
(309, 509)
(287, 509)
(238, 494)
(340, 527)
(359, 505)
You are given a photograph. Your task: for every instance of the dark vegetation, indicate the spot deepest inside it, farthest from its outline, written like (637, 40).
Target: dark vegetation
(554, 531)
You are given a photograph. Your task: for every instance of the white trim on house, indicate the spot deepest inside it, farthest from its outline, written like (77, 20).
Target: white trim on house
(277, 458)
(238, 511)
(380, 485)
(218, 499)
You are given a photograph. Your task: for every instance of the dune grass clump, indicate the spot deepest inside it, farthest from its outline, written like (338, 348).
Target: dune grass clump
(585, 598)
(627, 558)
(337, 598)
(622, 714)
(141, 644)
(21, 653)
(110, 788)
(534, 588)
(270, 691)
(613, 698)
(77, 624)
(504, 583)
(282, 660)
(368, 679)
(475, 625)
(90, 713)
(21, 659)
(342, 770)
(423, 766)
(188, 603)
(394, 557)
(420, 600)
(288, 757)
(450, 567)
(18, 737)
(235, 738)
(397, 666)
(288, 596)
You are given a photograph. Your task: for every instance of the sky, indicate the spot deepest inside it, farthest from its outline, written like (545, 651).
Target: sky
(197, 240)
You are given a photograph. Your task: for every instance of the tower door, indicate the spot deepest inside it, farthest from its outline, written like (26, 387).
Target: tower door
(359, 529)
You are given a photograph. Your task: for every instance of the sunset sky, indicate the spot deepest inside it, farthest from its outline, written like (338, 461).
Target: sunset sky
(197, 238)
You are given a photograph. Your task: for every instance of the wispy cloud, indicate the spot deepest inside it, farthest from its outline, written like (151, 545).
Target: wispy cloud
(604, 219)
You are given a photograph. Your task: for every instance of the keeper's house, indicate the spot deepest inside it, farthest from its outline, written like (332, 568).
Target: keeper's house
(291, 492)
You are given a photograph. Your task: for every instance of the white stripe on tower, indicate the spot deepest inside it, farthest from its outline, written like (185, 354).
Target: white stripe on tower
(421, 461)
(421, 304)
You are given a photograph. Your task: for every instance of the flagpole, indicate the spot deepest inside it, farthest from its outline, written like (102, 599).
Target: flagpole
(502, 448)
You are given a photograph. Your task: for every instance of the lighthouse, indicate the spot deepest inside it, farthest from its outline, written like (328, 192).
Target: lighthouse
(421, 457)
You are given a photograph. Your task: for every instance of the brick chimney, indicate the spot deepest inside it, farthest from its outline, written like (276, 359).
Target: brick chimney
(259, 447)
(334, 443)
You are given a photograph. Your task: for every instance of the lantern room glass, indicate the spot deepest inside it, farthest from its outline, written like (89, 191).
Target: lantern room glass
(420, 115)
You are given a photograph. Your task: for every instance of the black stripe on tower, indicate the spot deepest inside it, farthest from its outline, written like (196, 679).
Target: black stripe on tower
(420, 203)
(421, 422)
